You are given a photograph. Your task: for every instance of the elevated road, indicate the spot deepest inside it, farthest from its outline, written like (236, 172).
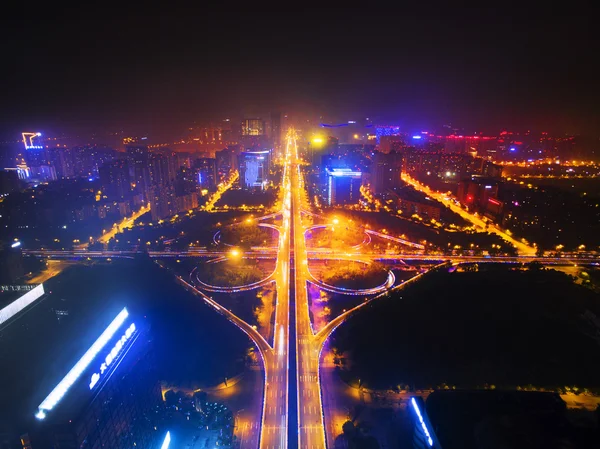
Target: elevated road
(274, 431)
(311, 429)
(320, 254)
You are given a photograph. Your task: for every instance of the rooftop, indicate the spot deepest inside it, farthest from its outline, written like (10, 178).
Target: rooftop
(40, 347)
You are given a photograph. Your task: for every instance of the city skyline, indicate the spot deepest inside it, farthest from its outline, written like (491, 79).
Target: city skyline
(297, 250)
(299, 227)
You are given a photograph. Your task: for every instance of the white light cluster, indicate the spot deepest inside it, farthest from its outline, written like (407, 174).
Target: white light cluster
(112, 355)
(63, 386)
(19, 304)
(423, 426)
(166, 441)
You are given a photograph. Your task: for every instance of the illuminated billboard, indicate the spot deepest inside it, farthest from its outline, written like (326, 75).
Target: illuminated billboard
(61, 389)
(16, 306)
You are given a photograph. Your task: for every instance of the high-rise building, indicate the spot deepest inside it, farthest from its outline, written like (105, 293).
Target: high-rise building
(480, 192)
(276, 128)
(254, 169)
(43, 173)
(162, 202)
(115, 179)
(226, 160)
(139, 158)
(186, 202)
(36, 157)
(98, 156)
(386, 172)
(207, 174)
(343, 185)
(253, 127)
(186, 181)
(62, 160)
(161, 170)
(91, 379)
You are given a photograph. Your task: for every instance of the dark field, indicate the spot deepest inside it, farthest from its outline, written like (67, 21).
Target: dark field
(501, 327)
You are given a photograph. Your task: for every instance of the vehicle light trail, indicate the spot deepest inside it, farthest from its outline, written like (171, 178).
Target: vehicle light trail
(281, 349)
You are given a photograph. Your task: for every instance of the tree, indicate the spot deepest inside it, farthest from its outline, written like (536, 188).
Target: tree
(535, 266)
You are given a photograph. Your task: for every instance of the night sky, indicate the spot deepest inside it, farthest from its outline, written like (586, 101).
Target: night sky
(160, 69)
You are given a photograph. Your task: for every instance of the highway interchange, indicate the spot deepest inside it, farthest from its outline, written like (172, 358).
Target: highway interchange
(292, 409)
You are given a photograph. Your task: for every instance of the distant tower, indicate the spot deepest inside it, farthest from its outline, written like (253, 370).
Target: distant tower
(386, 172)
(253, 127)
(28, 141)
(276, 128)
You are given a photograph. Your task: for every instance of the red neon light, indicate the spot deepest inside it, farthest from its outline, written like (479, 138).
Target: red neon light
(493, 201)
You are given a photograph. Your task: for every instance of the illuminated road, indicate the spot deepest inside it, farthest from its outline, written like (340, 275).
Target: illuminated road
(521, 246)
(311, 429)
(321, 254)
(221, 189)
(274, 431)
(127, 223)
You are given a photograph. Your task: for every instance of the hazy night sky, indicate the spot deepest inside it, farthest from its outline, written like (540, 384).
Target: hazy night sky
(161, 69)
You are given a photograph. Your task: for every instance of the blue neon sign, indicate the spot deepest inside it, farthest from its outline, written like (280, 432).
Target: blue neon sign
(423, 426)
(112, 355)
(65, 384)
(166, 441)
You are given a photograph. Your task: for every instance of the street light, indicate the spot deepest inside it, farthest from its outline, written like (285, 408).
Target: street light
(235, 253)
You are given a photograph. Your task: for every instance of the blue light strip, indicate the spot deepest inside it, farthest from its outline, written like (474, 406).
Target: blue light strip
(166, 441)
(112, 355)
(63, 386)
(423, 426)
(19, 304)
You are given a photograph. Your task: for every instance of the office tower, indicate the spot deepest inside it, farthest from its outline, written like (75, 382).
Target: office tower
(254, 169)
(276, 128)
(386, 172)
(36, 157)
(343, 185)
(90, 379)
(253, 127)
